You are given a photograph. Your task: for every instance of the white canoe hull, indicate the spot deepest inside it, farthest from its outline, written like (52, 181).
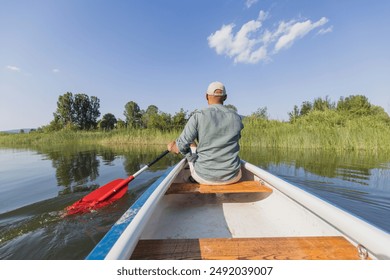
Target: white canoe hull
(287, 211)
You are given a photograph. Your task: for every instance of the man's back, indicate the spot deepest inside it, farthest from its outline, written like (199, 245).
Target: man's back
(219, 132)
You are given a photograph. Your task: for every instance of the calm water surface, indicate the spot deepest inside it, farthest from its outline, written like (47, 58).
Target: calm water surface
(37, 184)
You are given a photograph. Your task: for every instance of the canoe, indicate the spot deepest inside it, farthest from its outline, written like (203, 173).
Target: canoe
(259, 217)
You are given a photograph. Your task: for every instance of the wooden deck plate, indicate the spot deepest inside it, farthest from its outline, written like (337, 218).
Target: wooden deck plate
(279, 248)
(239, 187)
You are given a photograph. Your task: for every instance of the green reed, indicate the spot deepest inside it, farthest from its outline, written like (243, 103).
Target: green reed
(322, 130)
(337, 133)
(121, 137)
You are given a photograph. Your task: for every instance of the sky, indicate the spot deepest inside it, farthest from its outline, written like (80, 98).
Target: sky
(273, 54)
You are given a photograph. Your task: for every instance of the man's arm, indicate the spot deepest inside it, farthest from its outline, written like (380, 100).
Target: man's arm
(188, 136)
(172, 147)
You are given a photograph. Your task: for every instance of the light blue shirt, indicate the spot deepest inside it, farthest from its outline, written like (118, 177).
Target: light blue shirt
(218, 131)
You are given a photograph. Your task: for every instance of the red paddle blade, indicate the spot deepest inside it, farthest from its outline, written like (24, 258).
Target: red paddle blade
(100, 197)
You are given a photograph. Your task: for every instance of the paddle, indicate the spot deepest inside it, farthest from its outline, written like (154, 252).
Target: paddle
(106, 194)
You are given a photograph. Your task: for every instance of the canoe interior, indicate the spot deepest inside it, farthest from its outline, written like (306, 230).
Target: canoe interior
(246, 220)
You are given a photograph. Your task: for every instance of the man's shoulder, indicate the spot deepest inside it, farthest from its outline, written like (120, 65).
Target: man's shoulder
(214, 108)
(199, 112)
(217, 108)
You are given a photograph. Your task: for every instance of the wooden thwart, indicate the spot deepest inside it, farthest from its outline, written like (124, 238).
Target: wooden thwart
(239, 187)
(278, 248)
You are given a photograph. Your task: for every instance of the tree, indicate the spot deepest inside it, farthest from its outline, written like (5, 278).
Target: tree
(77, 110)
(294, 114)
(261, 113)
(54, 125)
(320, 104)
(179, 120)
(152, 110)
(94, 109)
(65, 111)
(81, 108)
(132, 114)
(360, 106)
(355, 104)
(306, 107)
(148, 118)
(120, 124)
(161, 121)
(86, 111)
(108, 122)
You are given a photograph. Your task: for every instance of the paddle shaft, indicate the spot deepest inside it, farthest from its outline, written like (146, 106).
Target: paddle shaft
(126, 181)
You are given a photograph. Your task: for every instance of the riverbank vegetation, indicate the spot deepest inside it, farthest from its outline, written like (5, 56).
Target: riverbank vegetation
(350, 124)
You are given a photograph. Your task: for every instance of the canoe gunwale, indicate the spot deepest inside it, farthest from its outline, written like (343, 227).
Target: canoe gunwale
(356, 230)
(122, 238)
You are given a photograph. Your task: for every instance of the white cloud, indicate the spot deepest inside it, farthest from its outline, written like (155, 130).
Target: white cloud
(325, 30)
(249, 3)
(242, 46)
(13, 68)
(262, 15)
(252, 43)
(56, 70)
(292, 32)
(222, 39)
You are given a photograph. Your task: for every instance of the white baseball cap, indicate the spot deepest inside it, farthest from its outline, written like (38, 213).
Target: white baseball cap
(214, 86)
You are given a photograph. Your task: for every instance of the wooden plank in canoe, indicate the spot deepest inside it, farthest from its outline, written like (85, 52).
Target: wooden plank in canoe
(279, 248)
(239, 187)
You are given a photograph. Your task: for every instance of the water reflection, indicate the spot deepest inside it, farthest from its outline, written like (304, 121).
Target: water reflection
(32, 227)
(78, 167)
(354, 167)
(108, 156)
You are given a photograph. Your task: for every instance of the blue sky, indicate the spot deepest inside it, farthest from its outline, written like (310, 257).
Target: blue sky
(268, 53)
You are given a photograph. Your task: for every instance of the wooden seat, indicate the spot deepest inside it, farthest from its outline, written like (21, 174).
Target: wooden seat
(239, 187)
(279, 248)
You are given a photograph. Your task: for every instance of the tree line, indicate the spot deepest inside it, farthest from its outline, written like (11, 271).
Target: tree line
(82, 112)
(352, 106)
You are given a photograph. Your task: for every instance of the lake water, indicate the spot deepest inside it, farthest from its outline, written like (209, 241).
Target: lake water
(37, 184)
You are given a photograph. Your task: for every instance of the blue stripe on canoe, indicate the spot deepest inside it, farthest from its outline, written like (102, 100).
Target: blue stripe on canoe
(104, 246)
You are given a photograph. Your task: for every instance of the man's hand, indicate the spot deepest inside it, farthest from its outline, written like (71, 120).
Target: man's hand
(172, 147)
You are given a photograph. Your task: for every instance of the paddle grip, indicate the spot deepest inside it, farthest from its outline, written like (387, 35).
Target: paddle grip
(158, 158)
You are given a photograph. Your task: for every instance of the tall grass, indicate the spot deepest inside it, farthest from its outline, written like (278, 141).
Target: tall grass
(138, 137)
(318, 130)
(123, 137)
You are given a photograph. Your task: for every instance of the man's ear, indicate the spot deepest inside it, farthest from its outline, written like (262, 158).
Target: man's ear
(207, 97)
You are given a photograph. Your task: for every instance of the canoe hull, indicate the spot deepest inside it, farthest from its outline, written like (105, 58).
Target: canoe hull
(283, 213)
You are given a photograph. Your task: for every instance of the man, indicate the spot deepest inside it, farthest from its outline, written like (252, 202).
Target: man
(217, 130)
